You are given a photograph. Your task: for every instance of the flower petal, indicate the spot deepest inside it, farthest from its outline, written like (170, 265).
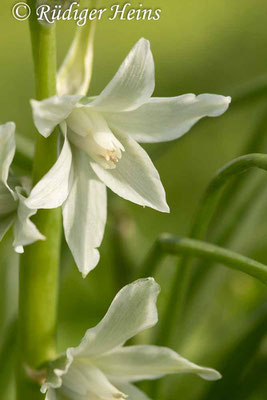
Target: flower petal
(83, 378)
(57, 369)
(135, 178)
(164, 119)
(84, 213)
(132, 311)
(7, 149)
(52, 190)
(48, 113)
(75, 73)
(136, 363)
(133, 84)
(25, 232)
(78, 380)
(52, 395)
(132, 391)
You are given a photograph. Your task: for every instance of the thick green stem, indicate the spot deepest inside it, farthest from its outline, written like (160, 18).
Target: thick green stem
(39, 264)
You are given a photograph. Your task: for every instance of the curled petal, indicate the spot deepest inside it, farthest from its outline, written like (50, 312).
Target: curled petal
(132, 311)
(25, 232)
(57, 369)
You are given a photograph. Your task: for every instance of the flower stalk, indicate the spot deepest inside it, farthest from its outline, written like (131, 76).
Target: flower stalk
(208, 251)
(39, 264)
(200, 224)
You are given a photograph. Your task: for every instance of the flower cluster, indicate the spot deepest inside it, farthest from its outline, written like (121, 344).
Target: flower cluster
(100, 148)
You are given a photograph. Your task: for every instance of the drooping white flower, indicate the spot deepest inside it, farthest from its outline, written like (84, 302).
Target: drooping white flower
(103, 133)
(101, 367)
(13, 210)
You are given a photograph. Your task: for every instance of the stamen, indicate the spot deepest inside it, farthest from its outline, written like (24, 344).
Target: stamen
(112, 156)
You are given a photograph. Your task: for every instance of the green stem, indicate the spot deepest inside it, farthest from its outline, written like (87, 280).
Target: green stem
(39, 264)
(168, 244)
(236, 218)
(208, 251)
(203, 216)
(8, 347)
(209, 201)
(225, 223)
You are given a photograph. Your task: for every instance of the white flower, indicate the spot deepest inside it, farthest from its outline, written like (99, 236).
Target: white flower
(103, 133)
(101, 367)
(13, 210)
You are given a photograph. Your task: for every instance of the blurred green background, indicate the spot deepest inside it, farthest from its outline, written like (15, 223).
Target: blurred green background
(200, 47)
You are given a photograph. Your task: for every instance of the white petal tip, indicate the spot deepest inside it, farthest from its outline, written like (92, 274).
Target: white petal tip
(11, 124)
(150, 281)
(86, 267)
(164, 209)
(19, 249)
(145, 41)
(210, 375)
